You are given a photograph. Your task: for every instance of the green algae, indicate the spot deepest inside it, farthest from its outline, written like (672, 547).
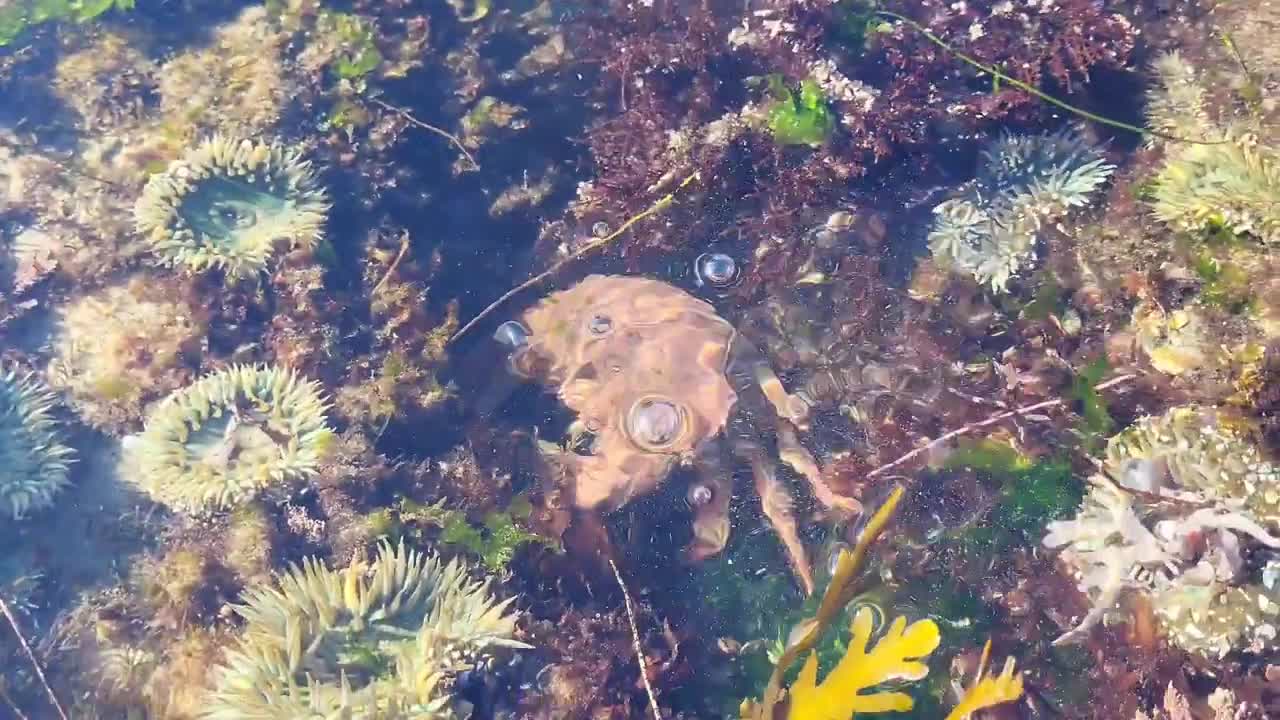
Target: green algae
(1031, 493)
(23, 15)
(494, 542)
(798, 117)
(1096, 420)
(360, 55)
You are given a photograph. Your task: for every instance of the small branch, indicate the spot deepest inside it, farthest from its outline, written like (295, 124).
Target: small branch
(429, 127)
(657, 207)
(13, 623)
(404, 248)
(635, 639)
(993, 420)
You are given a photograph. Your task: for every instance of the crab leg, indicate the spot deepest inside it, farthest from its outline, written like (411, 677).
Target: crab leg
(709, 496)
(786, 405)
(779, 507)
(802, 461)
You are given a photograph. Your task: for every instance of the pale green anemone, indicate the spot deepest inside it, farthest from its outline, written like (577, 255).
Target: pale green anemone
(231, 204)
(1205, 452)
(224, 439)
(1184, 507)
(1024, 183)
(1213, 620)
(380, 641)
(34, 464)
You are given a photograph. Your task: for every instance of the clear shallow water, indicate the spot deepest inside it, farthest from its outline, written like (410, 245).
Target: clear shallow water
(942, 284)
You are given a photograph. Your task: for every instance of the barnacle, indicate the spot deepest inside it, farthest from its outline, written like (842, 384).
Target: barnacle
(119, 348)
(34, 464)
(231, 204)
(1024, 182)
(1181, 499)
(381, 641)
(218, 442)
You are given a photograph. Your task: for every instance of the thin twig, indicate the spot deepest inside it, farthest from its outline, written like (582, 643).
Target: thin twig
(404, 248)
(658, 206)
(635, 639)
(993, 420)
(13, 623)
(429, 127)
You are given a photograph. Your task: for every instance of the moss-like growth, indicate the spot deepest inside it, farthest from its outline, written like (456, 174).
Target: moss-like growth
(1031, 493)
(495, 543)
(122, 347)
(249, 544)
(359, 55)
(1095, 418)
(232, 204)
(173, 585)
(218, 443)
(1225, 284)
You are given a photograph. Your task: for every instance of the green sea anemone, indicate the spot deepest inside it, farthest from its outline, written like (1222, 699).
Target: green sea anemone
(1232, 185)
(34, 464)
(1230, 182)
(217, 443)
(1024, 182)
(370, 641)
(231, 204)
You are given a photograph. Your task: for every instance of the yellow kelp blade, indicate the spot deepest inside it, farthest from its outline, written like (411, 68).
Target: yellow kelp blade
(839, 591)
(988, 691)
(896, 656)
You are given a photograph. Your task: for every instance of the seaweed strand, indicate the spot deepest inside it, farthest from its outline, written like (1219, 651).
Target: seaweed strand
(1028, 88)
(453, 139)
(834, 600)
(661, 204)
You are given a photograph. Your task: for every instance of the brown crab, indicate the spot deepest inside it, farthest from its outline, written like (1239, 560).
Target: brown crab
(656, 379)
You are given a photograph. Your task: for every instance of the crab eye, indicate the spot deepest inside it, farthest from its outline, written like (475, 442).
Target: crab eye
(599, 324)
(512, 334)
(655, 423)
